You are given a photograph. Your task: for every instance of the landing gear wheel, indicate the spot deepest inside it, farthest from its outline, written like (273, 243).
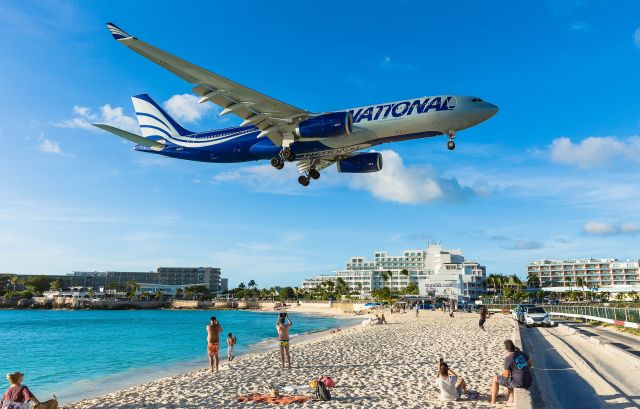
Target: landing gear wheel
(451, 145)
(314, 174)
(287, 154)
(277, 163)
(303, 180)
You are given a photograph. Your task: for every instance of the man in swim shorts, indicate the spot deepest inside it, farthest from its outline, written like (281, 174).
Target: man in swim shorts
(283, 337)
(213, 342)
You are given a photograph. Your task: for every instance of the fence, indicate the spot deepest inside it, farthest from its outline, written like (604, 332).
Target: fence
(628, 317)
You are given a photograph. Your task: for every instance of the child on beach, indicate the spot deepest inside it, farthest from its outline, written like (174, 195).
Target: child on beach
(451, 387)
(231, 347)
(17, 396)
(483, 317)
(516, 374)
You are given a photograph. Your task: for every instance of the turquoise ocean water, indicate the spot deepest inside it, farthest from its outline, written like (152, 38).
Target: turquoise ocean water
(77, 354)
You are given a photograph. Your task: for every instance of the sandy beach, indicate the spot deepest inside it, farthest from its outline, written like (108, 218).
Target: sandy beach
(389, 366)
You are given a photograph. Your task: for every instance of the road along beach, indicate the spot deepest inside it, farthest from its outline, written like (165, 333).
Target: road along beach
(390, 365)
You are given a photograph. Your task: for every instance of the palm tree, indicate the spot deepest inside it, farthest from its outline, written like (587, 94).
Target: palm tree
(342, 287)
(132, 286)
(567, 281)
(385, 276)
(15, 280)
(242, 286)
(620, 296)
(252, 284)
(533, 280)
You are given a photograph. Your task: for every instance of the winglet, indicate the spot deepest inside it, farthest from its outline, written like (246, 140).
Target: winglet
(117, 32)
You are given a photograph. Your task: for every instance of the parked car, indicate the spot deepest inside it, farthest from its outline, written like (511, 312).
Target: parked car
(537, 316)
(518, 312)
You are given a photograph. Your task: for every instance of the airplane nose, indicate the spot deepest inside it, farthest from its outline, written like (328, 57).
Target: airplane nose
(492, 109)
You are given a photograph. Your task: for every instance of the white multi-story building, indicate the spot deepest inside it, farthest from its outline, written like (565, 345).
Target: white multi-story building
(444, 273)
(606, 274)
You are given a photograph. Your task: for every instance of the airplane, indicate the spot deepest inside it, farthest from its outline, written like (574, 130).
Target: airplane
(279, 132)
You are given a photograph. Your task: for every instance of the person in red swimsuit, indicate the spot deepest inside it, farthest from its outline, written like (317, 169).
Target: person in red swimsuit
(213, 342)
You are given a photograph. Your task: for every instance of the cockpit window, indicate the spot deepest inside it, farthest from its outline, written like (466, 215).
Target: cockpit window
(476, 100)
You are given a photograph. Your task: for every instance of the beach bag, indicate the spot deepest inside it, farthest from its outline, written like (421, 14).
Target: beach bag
(322, 392)
(328, 382)
(474, 395)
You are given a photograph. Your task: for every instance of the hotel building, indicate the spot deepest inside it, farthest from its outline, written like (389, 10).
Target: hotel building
(169, 276)
(437, 272)
(604, 274)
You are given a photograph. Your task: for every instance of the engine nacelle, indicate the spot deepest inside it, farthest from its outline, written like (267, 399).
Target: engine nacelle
(329, 125)
(361, 163)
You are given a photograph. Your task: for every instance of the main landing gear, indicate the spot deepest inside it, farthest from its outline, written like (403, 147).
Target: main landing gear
(304, 180)
(287, 154)
(277, 163)
(451, 145)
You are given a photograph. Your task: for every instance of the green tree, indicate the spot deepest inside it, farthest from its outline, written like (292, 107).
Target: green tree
(533, 280)
(382, 294)
(242, 286)
(386, 275)
(252, 284)
(286, 293)
(37, 284)
(405, 272)
(342, 288)
(412, 289)
(55, 285)
(132, 287)
(15, 280)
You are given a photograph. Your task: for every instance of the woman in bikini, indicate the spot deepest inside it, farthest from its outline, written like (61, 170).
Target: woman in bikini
(283, 337)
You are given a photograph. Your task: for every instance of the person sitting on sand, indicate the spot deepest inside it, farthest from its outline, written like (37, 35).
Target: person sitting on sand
(283, 337)
(213, 342)
(516, 374)
(451, 387)
(231, 347)
(17, 393)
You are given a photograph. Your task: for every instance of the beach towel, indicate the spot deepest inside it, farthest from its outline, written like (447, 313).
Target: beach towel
(281, 400)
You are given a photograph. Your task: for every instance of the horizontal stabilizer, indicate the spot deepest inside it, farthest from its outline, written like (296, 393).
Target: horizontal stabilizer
(137, 139)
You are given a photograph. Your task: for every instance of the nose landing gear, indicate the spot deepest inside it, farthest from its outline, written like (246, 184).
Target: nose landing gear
(451, 145)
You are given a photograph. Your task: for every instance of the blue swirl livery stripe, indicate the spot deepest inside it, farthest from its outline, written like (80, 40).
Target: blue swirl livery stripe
(153, 117)
(168, 135)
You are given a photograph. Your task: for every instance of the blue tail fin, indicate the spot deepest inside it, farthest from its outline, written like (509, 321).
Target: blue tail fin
(154, 121)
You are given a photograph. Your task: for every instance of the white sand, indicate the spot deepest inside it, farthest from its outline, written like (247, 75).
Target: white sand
(388, 366)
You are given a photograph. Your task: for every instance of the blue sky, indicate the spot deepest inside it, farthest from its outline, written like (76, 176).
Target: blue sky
(554, 174)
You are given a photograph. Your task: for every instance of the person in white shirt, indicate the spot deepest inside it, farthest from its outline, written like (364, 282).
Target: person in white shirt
(450, 385)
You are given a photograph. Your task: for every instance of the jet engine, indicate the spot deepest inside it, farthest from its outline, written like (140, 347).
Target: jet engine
(329, 125)
(361, 163)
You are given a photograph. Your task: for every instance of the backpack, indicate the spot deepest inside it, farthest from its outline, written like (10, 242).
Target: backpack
(328, 382)
(322, 392)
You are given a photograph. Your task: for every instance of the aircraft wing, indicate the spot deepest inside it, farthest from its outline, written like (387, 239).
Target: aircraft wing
(273, 117)
(156, 146)
(318, 163)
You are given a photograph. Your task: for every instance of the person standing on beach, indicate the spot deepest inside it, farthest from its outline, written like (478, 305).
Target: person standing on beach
(483, 317)
(213, 342)
(231, 347)
(282, 326)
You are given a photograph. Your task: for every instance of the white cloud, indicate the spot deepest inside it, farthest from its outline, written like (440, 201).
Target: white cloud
(395, 182)
(593, 151)
(525, 245)
(186, 108)
(408, 184)
(48, 146)
(389, 64)
(607, 229)
(636, 37)
(114, 116)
